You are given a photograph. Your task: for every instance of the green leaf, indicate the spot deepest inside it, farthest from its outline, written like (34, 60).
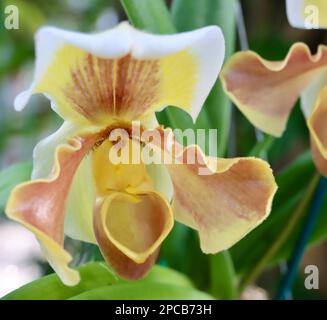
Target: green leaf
(318, 235)
(93, 275)
(188, 15)
(143, 291)
(223, 277)
(262, 146)
(175, 255)
(286, 232)
(181, 251)
(10, 177)
(294, 178)
(320, 232)
(162, 274)
(149, 15)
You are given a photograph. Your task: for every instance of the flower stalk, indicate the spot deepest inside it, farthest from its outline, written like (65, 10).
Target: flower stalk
(308, 227)
(289, 228)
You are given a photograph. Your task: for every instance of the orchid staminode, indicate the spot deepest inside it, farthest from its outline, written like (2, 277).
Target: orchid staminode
(102, 82)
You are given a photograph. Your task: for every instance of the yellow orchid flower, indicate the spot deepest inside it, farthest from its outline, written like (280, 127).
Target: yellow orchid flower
(100, 83)
(307, 14)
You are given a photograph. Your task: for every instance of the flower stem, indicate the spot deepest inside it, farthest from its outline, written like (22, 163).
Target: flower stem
(244, 44)
(309, 224)
(149, 15)
(223, 277)
(262, 146)
(284, 234)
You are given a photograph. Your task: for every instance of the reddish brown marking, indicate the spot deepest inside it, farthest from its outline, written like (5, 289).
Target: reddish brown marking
(96, 91)
(42, 203)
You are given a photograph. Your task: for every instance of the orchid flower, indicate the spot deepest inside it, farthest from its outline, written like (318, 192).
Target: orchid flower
(266, 91)
(98, 83)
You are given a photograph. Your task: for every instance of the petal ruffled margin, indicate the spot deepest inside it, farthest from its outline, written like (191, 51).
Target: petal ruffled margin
(81, 198)
(224, 206)
(223, 199)
(266, 91)
(39, 205)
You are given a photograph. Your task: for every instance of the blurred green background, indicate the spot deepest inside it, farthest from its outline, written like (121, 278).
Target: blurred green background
(269, 34)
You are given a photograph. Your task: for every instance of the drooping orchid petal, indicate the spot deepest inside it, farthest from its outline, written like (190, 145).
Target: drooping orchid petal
(130, 229)
(311, 93)
(317, 125)
(40, 205)
(217, 197)
(124, 74)
(267, 91)
(225, 206)
(306, 14)
(81, 198)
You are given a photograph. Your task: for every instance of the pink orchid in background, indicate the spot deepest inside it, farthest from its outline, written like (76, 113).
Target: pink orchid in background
(101, 82)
